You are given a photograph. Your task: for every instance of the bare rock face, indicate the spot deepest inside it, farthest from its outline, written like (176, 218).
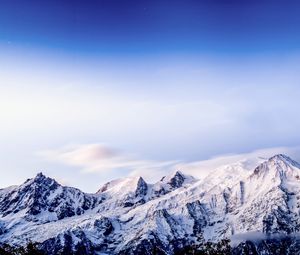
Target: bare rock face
(130, 216)
(43, 196)
(142, 188)
(177, 180)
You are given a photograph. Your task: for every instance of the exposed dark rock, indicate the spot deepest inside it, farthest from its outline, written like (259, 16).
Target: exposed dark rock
(177, 180)
(142, 188)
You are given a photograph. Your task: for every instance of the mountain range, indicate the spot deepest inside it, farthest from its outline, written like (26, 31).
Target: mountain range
(258, 210)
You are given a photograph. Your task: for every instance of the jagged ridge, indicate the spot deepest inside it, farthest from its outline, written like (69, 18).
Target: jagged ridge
(130, 216)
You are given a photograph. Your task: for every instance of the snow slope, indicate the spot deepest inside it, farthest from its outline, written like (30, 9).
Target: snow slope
(130, 216)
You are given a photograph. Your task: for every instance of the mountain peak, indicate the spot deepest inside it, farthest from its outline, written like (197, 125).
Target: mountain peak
(279, 163)
(284, 158)
(179, 174)
(140, 181)
(177, 180)
(41, 180)
(40, 176)
(142, 187)
(133, 184)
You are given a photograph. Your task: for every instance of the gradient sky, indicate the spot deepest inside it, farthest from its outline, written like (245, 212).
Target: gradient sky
(94, 90)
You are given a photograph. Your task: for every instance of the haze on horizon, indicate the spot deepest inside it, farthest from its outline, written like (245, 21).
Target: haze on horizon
(96, 90)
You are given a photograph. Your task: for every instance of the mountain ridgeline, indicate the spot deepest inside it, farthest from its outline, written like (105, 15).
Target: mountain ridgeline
(258, 211)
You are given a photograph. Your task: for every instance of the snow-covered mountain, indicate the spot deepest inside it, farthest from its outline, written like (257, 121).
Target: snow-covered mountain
(130, 216)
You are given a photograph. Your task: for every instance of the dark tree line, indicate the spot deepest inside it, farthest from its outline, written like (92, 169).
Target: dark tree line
(30, 249)
(209, 248)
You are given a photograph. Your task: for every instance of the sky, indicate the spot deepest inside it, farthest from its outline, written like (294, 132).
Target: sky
(96, 90)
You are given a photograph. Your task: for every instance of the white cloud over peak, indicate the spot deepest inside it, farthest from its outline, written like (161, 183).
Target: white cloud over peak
(98, 158)
(101, 159)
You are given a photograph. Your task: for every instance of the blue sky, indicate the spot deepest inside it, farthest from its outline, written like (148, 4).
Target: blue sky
(146, 27)
(143, 85)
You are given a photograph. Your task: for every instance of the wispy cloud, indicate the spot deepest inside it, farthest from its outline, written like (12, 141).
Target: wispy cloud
(99, 158)
(249, 160)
